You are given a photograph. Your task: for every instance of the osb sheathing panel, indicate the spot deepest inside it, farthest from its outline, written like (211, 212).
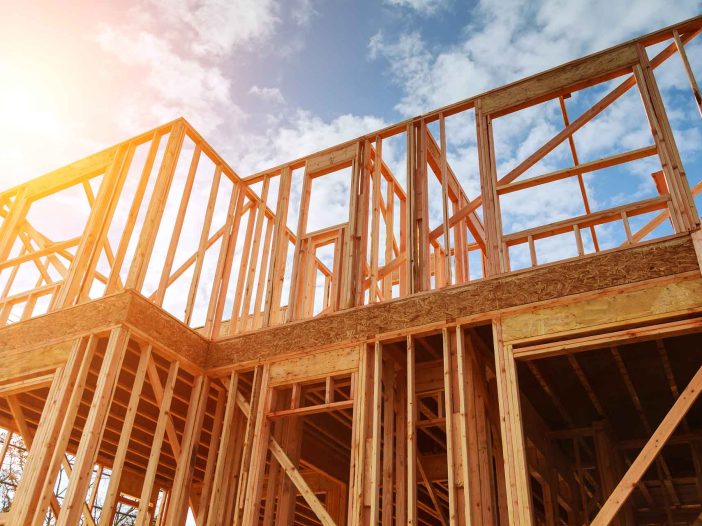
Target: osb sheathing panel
(65, 324)
(640, 263)
(126, 308)
(159, 326)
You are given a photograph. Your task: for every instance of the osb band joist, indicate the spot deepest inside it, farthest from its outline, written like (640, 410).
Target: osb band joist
(602, 271)
(128, 308)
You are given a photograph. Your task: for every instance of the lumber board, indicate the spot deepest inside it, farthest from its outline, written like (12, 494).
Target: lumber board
(590, 70)
(69, 175)
(328, 162)
(315, 366)
(30, 362)
(660, 259)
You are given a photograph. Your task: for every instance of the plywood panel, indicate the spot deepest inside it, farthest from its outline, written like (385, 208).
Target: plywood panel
(670, 298)
(317, 365)
(27, 363)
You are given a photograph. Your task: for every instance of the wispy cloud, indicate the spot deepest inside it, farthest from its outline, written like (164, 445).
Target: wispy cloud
(422, 6)
(269, 94)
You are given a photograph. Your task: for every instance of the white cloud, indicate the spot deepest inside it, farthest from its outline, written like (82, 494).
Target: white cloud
(268, 94)
(177, 47)
(510, 39)
(301, 134)
(303, 12)
(182, 52)
(215, 27)
(179, 85)
(428, 81)
(422, 6)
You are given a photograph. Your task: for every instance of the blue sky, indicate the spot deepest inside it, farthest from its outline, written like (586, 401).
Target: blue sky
(269, 80)
(244, 71)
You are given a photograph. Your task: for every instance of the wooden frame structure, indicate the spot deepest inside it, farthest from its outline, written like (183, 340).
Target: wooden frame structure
(187, 351)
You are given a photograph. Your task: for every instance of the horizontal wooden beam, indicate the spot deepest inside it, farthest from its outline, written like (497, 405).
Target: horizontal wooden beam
(591, 166)
(312, 409)
(477, 300)
(587, 220)
(569, 77)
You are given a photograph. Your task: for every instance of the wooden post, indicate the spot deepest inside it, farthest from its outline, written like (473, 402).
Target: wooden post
(35, 471)
(401, 403)
(9, 229)
(143, 515)
(376, 436)
(362, 407)
(114, 281)
(375, 222)
(94, 427)
(292, 444)
(471, 372)
(681, 197)
(456, 484)
(212, 460)
(190, 443)
(178, 227)
(389, 237)
(445, 199)
(218, 295)
(279, 249)
(295, 280)
(110, 502)
(688, 70)
(154, 213)
(202, 245)
(58, 458)
(516, 472)
(495, 257)
(251, 497)
(388, 450)
(418, 209)
(253, 258)
(215, 503)
(354, 267)
(411, 438)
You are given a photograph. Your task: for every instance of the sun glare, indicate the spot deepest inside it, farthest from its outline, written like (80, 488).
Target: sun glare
(25, 104)
(30, 120)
